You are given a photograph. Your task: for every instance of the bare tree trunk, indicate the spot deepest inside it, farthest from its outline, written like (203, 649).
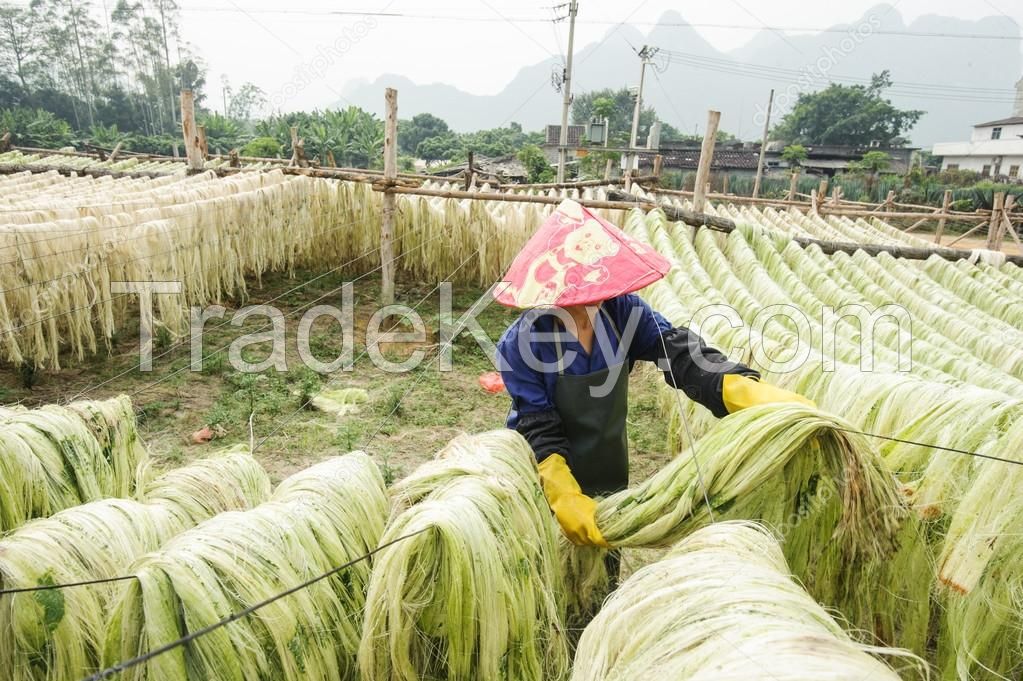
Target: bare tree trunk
(88, 81)
(166, 60)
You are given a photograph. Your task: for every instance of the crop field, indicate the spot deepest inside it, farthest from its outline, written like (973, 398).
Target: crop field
(194, 521)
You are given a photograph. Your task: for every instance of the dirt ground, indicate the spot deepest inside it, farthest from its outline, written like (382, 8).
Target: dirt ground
(407, 418)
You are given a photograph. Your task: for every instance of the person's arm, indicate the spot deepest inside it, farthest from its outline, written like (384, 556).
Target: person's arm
(539, 422)
(687, 362)
(703, 373)
(537, 419)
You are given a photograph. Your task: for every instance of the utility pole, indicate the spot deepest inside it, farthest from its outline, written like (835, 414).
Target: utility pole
(573, 9)
(646, 55)
(763, 146)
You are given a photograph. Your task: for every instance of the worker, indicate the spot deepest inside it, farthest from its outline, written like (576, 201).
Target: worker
(565, 361)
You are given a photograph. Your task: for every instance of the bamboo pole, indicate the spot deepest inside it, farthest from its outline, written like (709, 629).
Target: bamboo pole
(973, 229)
(946, 204)
(390, 174)
(921, 221)
(706, 158)
(69, 171)
(189, 131)
(828, 247)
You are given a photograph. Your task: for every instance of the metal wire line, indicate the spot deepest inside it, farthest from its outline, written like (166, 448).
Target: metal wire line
(184, 640)
(104, 300)
(287, 419)
(291, 313)
(226, 323)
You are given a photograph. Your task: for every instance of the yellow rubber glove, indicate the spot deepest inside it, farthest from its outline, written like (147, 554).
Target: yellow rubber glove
(739, 392)
(576, 512)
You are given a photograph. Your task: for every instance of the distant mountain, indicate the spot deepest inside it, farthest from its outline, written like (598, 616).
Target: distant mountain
(958, 82)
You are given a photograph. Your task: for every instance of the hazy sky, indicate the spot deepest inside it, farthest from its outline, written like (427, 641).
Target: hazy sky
(478, 45)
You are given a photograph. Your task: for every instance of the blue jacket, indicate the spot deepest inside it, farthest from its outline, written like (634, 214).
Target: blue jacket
(645, 335)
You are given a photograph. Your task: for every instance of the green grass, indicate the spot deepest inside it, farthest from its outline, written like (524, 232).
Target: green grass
(408, 416)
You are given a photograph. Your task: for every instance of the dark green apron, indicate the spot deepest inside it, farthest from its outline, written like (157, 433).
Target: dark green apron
(595, 426)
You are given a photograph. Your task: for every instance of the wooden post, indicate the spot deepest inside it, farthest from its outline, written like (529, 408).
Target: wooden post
(608, 167)
(763, 146)
(1010, 202)
(203, 147)
(836, 195)
(706, 158)
(725, 182)
(946, 204)
(330, 158)
(189, 131)
(390, 175)
(116, 150)
(658, 165)
(995, 226)
(822, 190)
(233, 159)
(469, 172)
(813, 203)
(793, 183)
(297, 149)
(5, 142)
(889, 202)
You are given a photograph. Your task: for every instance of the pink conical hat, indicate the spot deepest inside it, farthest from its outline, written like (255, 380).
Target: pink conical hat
(578, 258)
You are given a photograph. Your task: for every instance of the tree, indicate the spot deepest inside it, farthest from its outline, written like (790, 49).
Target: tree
(854, 115)
(438, 148)
(872, 164)
(246, 103)
(422, 126)
(18, 46)
(794, 155)
(537, 167)
(615, 105)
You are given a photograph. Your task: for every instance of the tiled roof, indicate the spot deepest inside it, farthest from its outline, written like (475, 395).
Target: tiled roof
(724, 159)
(1015, 120)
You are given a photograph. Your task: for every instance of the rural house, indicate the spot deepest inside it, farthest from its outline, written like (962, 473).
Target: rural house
(995, 149)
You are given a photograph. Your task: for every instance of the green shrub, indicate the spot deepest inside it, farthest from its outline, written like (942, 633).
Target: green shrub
(262, 147)
(35, 128)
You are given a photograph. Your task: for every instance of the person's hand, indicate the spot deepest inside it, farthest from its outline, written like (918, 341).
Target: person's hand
(576, 512)
(739, 392)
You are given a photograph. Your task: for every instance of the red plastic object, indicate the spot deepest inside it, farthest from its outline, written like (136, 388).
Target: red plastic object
(578, 258)
(492, 382)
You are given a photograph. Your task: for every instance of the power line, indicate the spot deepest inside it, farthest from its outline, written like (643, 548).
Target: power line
(764, 68)
(595, 22)
(895, 90)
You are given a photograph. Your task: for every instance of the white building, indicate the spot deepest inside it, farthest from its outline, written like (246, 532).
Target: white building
(995, 149)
